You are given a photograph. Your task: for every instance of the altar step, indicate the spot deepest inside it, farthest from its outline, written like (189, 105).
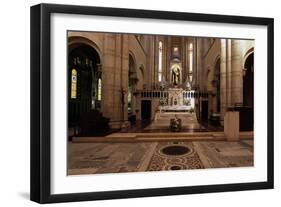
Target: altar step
(157, 137)
(162, 121)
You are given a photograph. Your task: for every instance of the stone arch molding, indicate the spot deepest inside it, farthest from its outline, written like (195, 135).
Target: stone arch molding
(247, 54)
(210, 71)
(142, 70)
(75, 41)
(134, 60)
(215, 61)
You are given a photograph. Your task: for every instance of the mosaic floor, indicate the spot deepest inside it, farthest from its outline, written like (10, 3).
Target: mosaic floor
(94, 158)
(180, 157)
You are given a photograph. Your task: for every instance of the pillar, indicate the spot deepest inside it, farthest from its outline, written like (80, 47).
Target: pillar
(228, 72)
(108, 75)
(124, 78)
(149, 62)
(198, 68)
(117, 116)
(183, 57)
(168, 58)
(236, 73)
(115, 79)
(164, 57)
(194, 72)
(231, 126)
(199, 60)
(155, 68)
(223, 61)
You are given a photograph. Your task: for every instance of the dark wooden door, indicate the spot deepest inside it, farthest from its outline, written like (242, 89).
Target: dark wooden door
(145, 109)
(204, 110)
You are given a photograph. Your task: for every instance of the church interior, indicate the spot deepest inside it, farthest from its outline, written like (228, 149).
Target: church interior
(141, 102)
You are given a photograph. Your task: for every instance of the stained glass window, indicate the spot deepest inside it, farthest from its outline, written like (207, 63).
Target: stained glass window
(160, 53)
(190, 57)
(73, 83)
(130, 99)
(99, 89)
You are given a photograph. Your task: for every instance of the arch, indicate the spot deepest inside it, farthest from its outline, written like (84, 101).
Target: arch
(217, 65)
(210, 71)
(142, 78)
(83, 85)
(132, 73)
(142, 70)
(132, 82)
(248, 81)
(132, 64)
(132, 60)
(247, 54)
(82, 49)
(160, 60)
(76, 41)
(218, 57)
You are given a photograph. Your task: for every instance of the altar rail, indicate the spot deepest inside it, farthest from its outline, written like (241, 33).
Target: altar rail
(164, 94)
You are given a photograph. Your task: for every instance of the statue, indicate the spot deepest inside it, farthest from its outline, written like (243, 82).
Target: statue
(175, 75)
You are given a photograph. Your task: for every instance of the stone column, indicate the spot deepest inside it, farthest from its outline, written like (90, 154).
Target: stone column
(167, 77)
(200, 63)
(124, 78)
(117, 104)
(164, 57)
(200, 68)
(223, 79)
(150, 62)
(236, 72)
(183, 56)
(155, 68)
(231, 126)
(194, 72)
(108, 75)
(228, 72)
(115, 79)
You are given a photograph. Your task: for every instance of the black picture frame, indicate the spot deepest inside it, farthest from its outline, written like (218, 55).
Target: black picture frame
(40, 102)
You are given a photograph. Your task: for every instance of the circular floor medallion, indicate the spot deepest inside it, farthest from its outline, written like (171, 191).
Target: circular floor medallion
(176, 167)
(175, 150)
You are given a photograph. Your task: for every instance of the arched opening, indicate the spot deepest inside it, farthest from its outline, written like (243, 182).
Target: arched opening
(248, 82)
(132, 81)
(76, 41)
(160, 61)
(84, 83)
(190, 60)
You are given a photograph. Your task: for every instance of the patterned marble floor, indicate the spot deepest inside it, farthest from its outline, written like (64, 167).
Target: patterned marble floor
(95, 158)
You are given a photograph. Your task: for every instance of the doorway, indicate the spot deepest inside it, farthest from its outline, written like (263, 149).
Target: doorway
(146, 110)
(204, 110)
(248, 82)
(83, 82)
